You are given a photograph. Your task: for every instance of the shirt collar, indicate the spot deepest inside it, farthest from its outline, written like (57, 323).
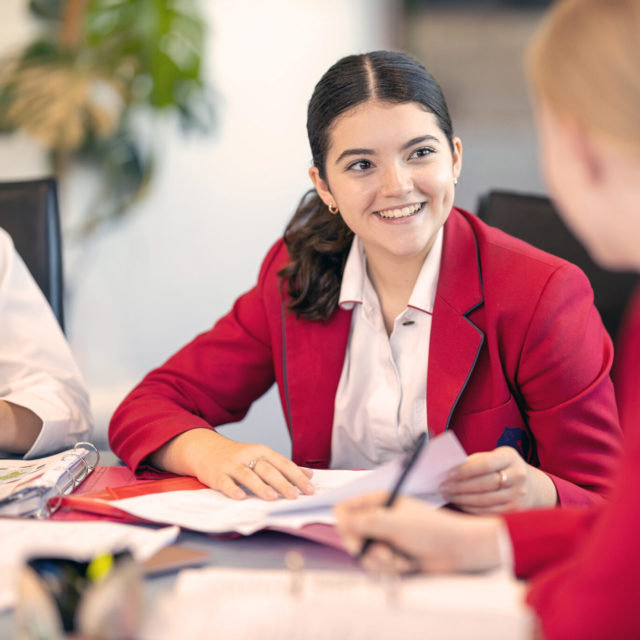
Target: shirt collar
(355, 277)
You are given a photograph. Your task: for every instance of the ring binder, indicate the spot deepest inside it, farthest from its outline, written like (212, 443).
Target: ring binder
(35, 488)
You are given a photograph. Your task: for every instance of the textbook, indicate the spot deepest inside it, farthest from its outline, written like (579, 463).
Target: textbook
(35, 488)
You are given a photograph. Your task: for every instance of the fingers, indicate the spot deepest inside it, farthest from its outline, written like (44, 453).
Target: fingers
(268, 477)
(383, 559)
(231, 467)
(280, 475)
(486, 462)
(353, 519)
(489, 502)
(365, 517)
(488, 482)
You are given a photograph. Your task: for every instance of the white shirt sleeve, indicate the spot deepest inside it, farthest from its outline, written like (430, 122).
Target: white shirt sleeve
(37, 369)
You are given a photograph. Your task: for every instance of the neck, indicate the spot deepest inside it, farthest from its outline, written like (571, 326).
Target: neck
(393, 280)
(393, 277)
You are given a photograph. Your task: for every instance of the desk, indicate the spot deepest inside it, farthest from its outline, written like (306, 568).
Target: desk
(263, 550)
(266, 550)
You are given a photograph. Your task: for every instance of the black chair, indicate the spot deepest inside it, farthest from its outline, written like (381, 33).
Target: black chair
(29, 213)
(534, 219)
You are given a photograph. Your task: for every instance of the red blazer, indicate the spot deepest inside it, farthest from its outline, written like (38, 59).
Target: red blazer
(585, 563)
(518, 356)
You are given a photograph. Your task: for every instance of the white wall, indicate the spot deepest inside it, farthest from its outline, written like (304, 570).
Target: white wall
(147, 285)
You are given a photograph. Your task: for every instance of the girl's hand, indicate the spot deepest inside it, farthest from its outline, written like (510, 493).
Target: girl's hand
(498, 481)
(413, 536)
(228, 466)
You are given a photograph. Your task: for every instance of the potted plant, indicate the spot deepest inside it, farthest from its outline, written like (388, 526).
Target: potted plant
(80, 86)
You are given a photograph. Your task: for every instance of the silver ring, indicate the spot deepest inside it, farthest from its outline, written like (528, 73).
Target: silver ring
(252, 464)
(502, 475)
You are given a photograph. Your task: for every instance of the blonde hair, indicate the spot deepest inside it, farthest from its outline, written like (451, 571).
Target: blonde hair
(584, 62)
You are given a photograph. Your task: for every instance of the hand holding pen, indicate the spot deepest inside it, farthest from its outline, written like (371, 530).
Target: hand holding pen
(413, 536)
(407, 465)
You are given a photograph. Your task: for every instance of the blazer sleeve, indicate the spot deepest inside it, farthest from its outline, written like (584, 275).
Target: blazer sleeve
(544, 537)
(211, 381)
(594, 593)
(563, 376)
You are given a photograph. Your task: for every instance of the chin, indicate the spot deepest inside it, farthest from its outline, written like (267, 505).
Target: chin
(612, 258)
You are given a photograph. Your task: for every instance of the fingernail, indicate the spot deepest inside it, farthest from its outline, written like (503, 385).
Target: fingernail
(444, 488)
(291, 494)
(309, 489)
(271, 494)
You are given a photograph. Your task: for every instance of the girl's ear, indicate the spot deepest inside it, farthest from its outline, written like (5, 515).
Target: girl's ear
(321, 187)
(580, 150)
(457, 156)
(585, 152)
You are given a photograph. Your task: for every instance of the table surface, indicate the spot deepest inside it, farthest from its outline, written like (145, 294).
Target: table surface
(262, 550)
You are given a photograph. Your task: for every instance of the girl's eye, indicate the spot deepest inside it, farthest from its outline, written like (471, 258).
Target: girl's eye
(422, 152)
(360, 165)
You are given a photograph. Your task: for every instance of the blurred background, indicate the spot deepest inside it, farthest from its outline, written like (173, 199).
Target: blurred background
(221, 157)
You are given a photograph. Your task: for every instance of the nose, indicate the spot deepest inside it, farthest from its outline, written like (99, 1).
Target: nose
(397, 181)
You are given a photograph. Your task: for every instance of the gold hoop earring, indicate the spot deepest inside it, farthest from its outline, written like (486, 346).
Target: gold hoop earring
(332, 208)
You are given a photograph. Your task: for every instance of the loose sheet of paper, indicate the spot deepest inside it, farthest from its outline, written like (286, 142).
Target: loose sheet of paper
(243, 603)
(22, 538)
(210, 511)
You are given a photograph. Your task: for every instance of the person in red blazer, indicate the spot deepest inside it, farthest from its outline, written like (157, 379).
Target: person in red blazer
(518, 360)
(583, 563)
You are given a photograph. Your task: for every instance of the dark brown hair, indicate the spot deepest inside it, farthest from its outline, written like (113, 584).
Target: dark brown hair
(317, 240)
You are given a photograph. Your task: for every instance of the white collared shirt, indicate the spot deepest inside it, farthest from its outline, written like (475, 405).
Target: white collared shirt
(381, 403)
(37, 370)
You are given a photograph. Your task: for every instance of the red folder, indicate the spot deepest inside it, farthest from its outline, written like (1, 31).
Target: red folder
(91, 501)
(92, 498)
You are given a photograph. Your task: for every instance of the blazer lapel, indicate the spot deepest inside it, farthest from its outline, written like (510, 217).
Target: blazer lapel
(455, 341)
(313, 358)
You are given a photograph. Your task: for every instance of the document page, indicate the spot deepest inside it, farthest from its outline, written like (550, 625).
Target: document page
(210, 511)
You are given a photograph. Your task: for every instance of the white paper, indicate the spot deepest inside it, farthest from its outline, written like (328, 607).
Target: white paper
(441, 454)
(320, 605)
(210, 511)
(23, 538)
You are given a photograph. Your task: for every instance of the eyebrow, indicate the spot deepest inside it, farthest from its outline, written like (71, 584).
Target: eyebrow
(369, 152)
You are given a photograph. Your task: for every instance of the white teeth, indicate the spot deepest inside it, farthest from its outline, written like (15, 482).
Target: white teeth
(400, 213)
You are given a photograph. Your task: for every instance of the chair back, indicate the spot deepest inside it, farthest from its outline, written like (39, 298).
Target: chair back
(29, 214)
(534, 219)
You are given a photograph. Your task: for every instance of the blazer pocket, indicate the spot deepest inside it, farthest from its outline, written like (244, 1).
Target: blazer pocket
(496, 427)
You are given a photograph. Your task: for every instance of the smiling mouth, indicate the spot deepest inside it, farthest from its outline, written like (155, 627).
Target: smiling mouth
(403, 212)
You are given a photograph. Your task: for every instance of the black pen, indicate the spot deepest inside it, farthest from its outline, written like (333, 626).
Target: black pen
(408, 464)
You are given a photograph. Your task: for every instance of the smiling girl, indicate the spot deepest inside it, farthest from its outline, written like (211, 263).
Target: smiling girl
(385, 312)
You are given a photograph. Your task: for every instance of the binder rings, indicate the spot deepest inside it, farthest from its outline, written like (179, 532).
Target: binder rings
(35, 488)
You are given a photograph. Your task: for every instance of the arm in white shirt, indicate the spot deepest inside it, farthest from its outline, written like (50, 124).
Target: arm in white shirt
(38, 375)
